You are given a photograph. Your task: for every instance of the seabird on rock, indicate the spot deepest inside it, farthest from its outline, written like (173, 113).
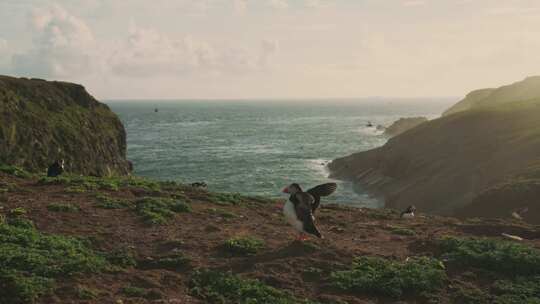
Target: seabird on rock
(409, 212)
(56, 168)
(301, 206)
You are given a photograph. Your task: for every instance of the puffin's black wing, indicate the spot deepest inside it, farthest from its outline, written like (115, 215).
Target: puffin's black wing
(303, 203)
(321, 190)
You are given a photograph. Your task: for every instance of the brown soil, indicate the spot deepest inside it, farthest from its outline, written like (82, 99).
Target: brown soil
(348, 233)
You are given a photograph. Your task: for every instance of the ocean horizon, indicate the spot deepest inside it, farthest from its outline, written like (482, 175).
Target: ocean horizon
(258, 147)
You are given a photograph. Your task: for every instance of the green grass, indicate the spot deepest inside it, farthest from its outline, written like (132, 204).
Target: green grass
(174, 261)
(106, 202)
(157, 211)
(59, 207)
(30, 262)
(85, 293)
(402, 231)
(226, 288)
(520, 290)
(19, 211)
(243, 246)
(391, 278)
(223, 213)
(89, 183)
(121, 257)
(134, 292)
(492, 254)
(226, 198)
(15, 171)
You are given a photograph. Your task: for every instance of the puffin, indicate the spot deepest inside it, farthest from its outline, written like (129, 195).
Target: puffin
(56, 168)
(301, 206)
(409, 212)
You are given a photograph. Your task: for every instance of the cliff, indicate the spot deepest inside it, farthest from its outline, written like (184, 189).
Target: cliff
(42, 121)
(519, 91)
(403, 124)
(61, 241)
(443, 165)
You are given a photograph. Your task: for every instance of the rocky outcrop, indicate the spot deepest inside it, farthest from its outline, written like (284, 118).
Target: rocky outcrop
(443, 165)
(41, 121)
(403, 124)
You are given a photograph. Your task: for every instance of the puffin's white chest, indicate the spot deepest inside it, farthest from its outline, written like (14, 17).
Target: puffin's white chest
(408, 215)
(290, 216)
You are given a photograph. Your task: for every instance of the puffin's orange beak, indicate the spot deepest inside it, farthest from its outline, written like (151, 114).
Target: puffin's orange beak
(285, 190)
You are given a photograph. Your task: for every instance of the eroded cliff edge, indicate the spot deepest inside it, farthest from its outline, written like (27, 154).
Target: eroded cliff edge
(41, 121)
(444, 165)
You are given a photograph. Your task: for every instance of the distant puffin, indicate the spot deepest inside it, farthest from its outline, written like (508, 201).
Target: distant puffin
(409, 212)
(56, 168)
(301, 206)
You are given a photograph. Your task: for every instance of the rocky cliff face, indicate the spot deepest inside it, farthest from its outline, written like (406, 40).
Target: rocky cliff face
(445, 164)
(403, 124)
(41, 121)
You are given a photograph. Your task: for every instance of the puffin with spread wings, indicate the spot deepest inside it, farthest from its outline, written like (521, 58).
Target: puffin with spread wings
(301, 206)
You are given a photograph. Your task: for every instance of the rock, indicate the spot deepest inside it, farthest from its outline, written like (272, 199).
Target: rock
(43, 121)
(404, 124)
(447, 164)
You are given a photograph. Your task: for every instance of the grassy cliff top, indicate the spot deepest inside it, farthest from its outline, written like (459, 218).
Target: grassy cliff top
(77, 239)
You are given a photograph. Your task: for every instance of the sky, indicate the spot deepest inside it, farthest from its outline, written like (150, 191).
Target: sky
(210, 49)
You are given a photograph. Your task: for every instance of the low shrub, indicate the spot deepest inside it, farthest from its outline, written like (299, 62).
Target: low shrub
(226, 288)
(243, 246)
(158, 211)
(492, 254)
(391, 278)
(58, 207)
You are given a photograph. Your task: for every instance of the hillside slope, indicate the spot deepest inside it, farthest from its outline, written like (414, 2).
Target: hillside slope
(42, 121)
(523, 90)
(442, 165)
(128, 240)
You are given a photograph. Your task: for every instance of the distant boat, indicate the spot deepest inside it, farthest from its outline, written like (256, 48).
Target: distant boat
(156, 110)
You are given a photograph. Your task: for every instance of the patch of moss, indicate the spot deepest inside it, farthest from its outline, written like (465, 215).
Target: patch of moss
(391, 278)
(107, 202)
(223, 213)
(19, 211)
(134, 292)
(226, 288)
(492, 254)
(121, 257)
(402, 231)
(174, 261)
(226, 198)
(15, 171)
(157, 211)
(31, 261)
(59, 207)
(242, 246)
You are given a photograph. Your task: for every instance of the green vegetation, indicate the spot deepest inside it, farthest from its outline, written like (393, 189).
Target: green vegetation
(121, 257)
(134, 292)
(223, 213)
(174, 261)
(31, 261)
(391, 278)
(111, 183)
(107, 202)
(19, 211)
(157, 211)
(402, 231)
(15, 171)
(226, 198)
(85, 293)
(520, 290)
(226, 288)
(491, 254)
(243, 246)
(58, 207)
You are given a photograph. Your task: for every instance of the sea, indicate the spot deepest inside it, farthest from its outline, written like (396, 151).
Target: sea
(257, 147)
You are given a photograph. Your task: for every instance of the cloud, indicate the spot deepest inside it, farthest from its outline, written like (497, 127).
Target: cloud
(411, 3)
(63, 45)
(149, 53)
(278, 4)
(239, 6)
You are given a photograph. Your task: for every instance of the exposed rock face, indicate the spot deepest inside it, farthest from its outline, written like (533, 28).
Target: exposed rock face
(42, 121)
(443, 165)
(524, 90)
(403, 124)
